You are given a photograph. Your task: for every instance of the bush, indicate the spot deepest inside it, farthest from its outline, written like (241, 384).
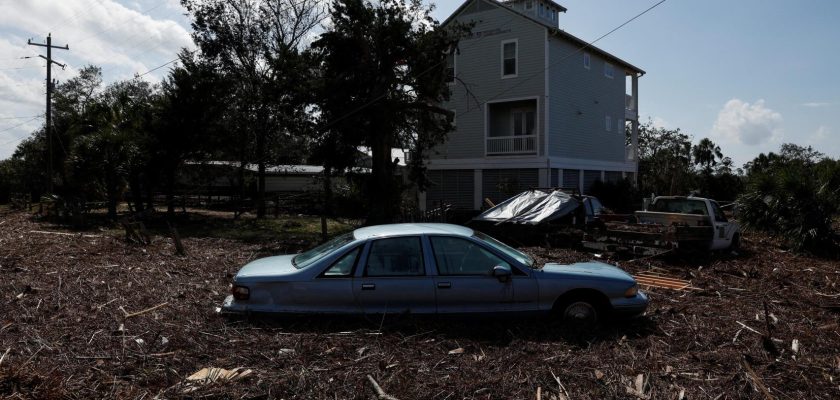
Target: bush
(796, 200)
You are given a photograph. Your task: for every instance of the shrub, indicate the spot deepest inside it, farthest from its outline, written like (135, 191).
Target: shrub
(794, 199)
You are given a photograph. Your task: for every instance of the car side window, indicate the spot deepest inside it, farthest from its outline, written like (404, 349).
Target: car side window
(457, 256)
(343, 267)
(401, 256)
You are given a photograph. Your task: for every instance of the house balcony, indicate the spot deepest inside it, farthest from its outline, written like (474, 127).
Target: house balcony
(512, 128)
(512, 145)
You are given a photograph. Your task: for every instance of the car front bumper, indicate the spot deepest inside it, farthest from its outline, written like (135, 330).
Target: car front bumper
(631, 306)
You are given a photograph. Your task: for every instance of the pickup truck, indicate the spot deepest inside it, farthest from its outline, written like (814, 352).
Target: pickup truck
(684, 223)
(714, 229)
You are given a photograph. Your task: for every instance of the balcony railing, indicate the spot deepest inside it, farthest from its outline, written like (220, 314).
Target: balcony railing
(523, 144)
(628, 102)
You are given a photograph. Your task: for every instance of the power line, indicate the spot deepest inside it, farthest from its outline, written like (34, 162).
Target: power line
(30, 116)
(578, 51)
(20, 124)
(589, 44)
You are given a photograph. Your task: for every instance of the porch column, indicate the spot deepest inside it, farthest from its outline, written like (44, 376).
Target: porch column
(634, 134)
(544, 177)
(477, 192)
(421, 201)
(580, 181)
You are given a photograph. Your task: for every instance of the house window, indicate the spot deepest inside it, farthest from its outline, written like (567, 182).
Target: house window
(523, 122)
(608, 70)
(510, 54)
(529, 5)
(450, 67)
(542, 9)
(608, 123)
(587, 61)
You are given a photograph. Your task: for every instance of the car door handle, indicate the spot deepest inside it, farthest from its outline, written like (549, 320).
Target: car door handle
(444, 285)
(368, 286)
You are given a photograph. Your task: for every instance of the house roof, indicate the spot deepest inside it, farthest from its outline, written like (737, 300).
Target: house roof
(558, 33)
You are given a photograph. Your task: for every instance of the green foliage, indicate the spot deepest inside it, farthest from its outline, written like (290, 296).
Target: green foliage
(387, 97)
(664, 160)
(794, 195)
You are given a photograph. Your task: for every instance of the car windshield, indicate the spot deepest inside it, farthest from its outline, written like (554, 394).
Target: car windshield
(510, 251)
(308, 258)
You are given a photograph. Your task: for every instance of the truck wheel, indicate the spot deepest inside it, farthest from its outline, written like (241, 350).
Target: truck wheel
(736, 242)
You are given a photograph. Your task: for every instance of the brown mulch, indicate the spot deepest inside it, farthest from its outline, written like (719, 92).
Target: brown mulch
(67, 331)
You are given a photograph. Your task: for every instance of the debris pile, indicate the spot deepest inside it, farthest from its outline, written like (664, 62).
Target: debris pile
(91, 315)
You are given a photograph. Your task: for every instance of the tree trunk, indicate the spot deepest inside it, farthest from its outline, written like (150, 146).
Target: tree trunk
(261, 173)
(110, 182)
(383, 194)
(326, 210)
(170, 193)
(136, 194)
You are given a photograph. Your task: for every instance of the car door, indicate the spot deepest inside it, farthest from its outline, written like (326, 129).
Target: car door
(331, 291)
(723, 228)
(393, 278)
(464, 282)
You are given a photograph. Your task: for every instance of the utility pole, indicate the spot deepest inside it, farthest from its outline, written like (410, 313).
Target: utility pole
(50, 62)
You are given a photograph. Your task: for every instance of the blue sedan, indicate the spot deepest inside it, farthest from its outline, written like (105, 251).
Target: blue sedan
(429, 269)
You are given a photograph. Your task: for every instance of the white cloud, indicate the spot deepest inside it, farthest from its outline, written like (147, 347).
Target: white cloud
(124, 37)
(660, 122)
(750, 124)
(816, 104)
(822, 133)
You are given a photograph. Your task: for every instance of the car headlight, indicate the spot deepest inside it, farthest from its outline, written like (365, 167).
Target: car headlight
(240, 292)
(631, 292)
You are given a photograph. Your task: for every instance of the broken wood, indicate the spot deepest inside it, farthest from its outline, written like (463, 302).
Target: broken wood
(756, 381)
(4, 355)
(379, 392)
(662, 281)
(148, 310)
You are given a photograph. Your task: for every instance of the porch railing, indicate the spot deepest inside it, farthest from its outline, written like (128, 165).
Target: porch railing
(523, 144)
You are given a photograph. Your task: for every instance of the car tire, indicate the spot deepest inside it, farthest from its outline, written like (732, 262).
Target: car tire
(735, 245)
(580, 311)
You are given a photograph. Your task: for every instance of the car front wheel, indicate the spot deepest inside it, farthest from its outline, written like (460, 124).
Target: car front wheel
(580, 312)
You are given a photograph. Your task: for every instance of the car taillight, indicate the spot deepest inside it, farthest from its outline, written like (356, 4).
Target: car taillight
(240, 292)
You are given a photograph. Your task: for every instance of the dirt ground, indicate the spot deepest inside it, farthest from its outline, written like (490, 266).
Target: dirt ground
(78, 320)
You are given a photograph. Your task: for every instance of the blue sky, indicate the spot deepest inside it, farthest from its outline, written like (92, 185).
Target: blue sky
(749, 74)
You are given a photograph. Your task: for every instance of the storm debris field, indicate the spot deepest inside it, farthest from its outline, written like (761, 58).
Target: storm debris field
(89, 315)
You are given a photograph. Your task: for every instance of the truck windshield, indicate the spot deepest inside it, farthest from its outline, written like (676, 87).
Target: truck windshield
(308, 258)
(681, 206)
(510, 251)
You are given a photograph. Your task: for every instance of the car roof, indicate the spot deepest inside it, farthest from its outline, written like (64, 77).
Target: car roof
(411, 229)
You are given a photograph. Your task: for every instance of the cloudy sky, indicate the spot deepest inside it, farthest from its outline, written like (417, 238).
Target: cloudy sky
(750, 74)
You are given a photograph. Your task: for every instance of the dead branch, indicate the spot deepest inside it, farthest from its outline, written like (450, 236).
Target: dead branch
(148, 310)
(379, 392)
(756, 381)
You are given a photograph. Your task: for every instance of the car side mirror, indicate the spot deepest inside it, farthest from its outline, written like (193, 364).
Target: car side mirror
(502, 273)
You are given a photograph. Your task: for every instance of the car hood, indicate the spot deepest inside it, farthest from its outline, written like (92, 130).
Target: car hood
(586, 270)
(268, 267)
